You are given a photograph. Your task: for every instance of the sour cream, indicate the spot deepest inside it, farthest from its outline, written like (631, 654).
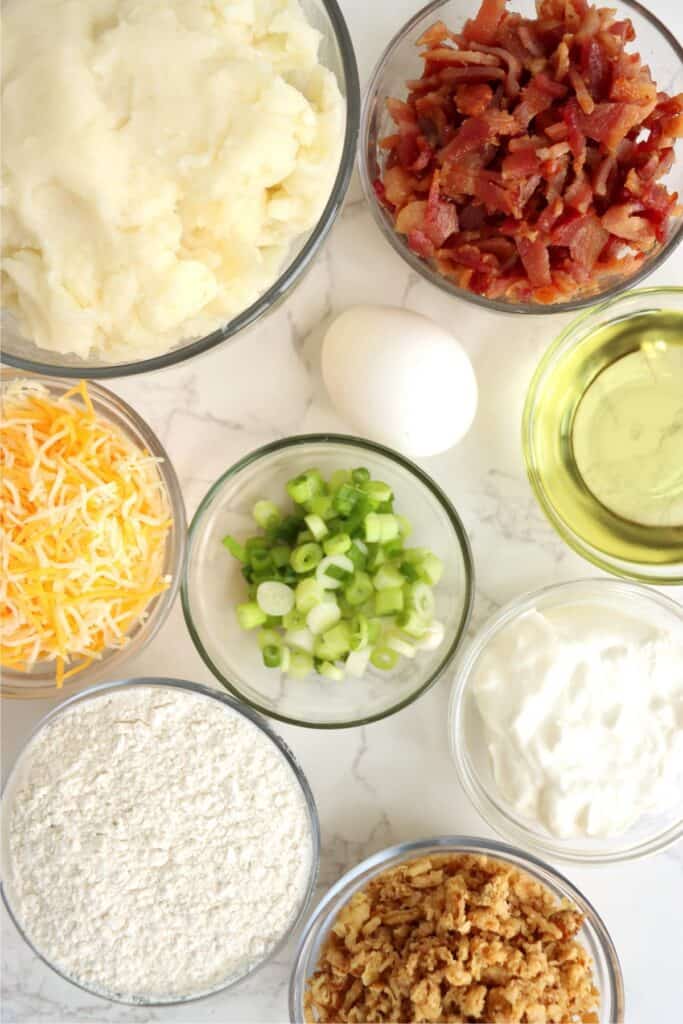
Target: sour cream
(582, 714)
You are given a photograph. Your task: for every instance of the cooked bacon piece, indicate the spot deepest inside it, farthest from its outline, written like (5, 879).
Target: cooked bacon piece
(525, 163)
(623, 221)
(586, 238)
(482, 28)
(473, 99)
(534, 256)
(513, 64)
(538, 95)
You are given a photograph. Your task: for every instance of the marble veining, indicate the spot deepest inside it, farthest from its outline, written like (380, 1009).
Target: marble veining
(393, 780)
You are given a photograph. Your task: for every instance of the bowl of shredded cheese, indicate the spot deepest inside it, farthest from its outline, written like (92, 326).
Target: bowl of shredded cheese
(92, 534)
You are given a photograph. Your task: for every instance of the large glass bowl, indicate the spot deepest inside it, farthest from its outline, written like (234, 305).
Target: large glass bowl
(594, 935)
(652, 832)
(336, 53)
(400, 62)
(39, 682)
(213, 584)
(652, 554)
(210, 694)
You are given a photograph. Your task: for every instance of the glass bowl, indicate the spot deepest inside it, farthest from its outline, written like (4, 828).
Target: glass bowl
(40, 681)
(652, 832)
(337, 54)
(400, 62)
(620, 543)
(213, 584)
(211, 694)
(593, 936)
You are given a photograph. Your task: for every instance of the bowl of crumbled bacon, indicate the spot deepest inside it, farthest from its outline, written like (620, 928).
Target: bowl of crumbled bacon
(526, 159)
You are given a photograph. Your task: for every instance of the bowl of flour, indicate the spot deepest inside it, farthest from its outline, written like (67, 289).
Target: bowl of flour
(159, 841)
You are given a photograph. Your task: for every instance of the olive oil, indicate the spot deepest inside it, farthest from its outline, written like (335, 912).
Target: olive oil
(607, 440)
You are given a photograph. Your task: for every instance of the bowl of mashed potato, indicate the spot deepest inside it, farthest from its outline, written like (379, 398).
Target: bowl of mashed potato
(169, 170)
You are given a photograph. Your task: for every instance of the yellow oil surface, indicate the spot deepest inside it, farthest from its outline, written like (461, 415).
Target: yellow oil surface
(609, 438)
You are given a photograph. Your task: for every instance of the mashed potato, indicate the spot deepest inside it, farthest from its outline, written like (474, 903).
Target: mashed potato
(159, 158)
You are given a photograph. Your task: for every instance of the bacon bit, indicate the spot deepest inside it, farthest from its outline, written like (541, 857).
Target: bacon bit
(473, 99)
(623, 221)
(482, 28)
(534, 256)
(582, 94)
(514, 145)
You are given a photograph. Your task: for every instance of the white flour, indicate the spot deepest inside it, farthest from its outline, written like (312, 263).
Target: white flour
(159, 844)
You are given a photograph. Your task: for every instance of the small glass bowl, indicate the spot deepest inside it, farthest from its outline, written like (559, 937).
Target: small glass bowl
(213, 584)
(337, 54)
(593, 935)
(40, 681)
(571, 353)
(652, 832)
(212, 694)
(400, 62)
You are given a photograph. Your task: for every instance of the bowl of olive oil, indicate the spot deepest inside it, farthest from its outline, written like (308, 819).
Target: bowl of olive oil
(603, 435)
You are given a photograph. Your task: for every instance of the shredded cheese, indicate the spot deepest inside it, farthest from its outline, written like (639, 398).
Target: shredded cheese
(84, 521)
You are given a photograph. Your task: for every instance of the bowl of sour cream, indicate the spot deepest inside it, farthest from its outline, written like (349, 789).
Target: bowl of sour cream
(566, 722)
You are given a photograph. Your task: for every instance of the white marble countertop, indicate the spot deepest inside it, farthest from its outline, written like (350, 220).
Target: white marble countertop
(393, 780)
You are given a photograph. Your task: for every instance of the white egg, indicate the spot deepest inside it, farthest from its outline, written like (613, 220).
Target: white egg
(399, 378)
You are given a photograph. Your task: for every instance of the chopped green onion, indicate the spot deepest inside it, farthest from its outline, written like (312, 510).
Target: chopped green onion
(260, 559)
(279, 555)
(389, 601)
(300, 639)
(294, 619)
(346, 499)
(321, 506)
(322, 617)
(357, 662)
(380, 527)
(236, 549)
(275, 598)
(383, 658)
(359, 632)
(433, 637)
(332, 570)
(430, 569)
(421, 598)
(272, 655)
(359, 589)
(412, 623)
(338, 545)
(360, 475)
(307, 595)
(305, 486)
(286, 657)
(339, 477)
(374, 631)
(377, 491)
(396, 643)
(300, 664)
(304, 537)
(306, 557)
(334, 643)
(409, 571)
(266, 513)
(249, 615)
(330, 671)
(405, 527)
(268, 636)
(317, 526)
(387, 576)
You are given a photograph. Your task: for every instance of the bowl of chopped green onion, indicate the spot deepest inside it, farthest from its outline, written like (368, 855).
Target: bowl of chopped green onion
(328, 582)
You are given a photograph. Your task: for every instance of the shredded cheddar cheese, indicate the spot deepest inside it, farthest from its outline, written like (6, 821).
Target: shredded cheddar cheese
(84, 520)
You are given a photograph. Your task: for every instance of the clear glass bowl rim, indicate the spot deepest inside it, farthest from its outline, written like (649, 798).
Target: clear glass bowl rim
(497, 817)
(11, 682)
(420, 266)
(297, 441)
(394, 855)
(257, 720)
(289, 276)
(552, 353)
